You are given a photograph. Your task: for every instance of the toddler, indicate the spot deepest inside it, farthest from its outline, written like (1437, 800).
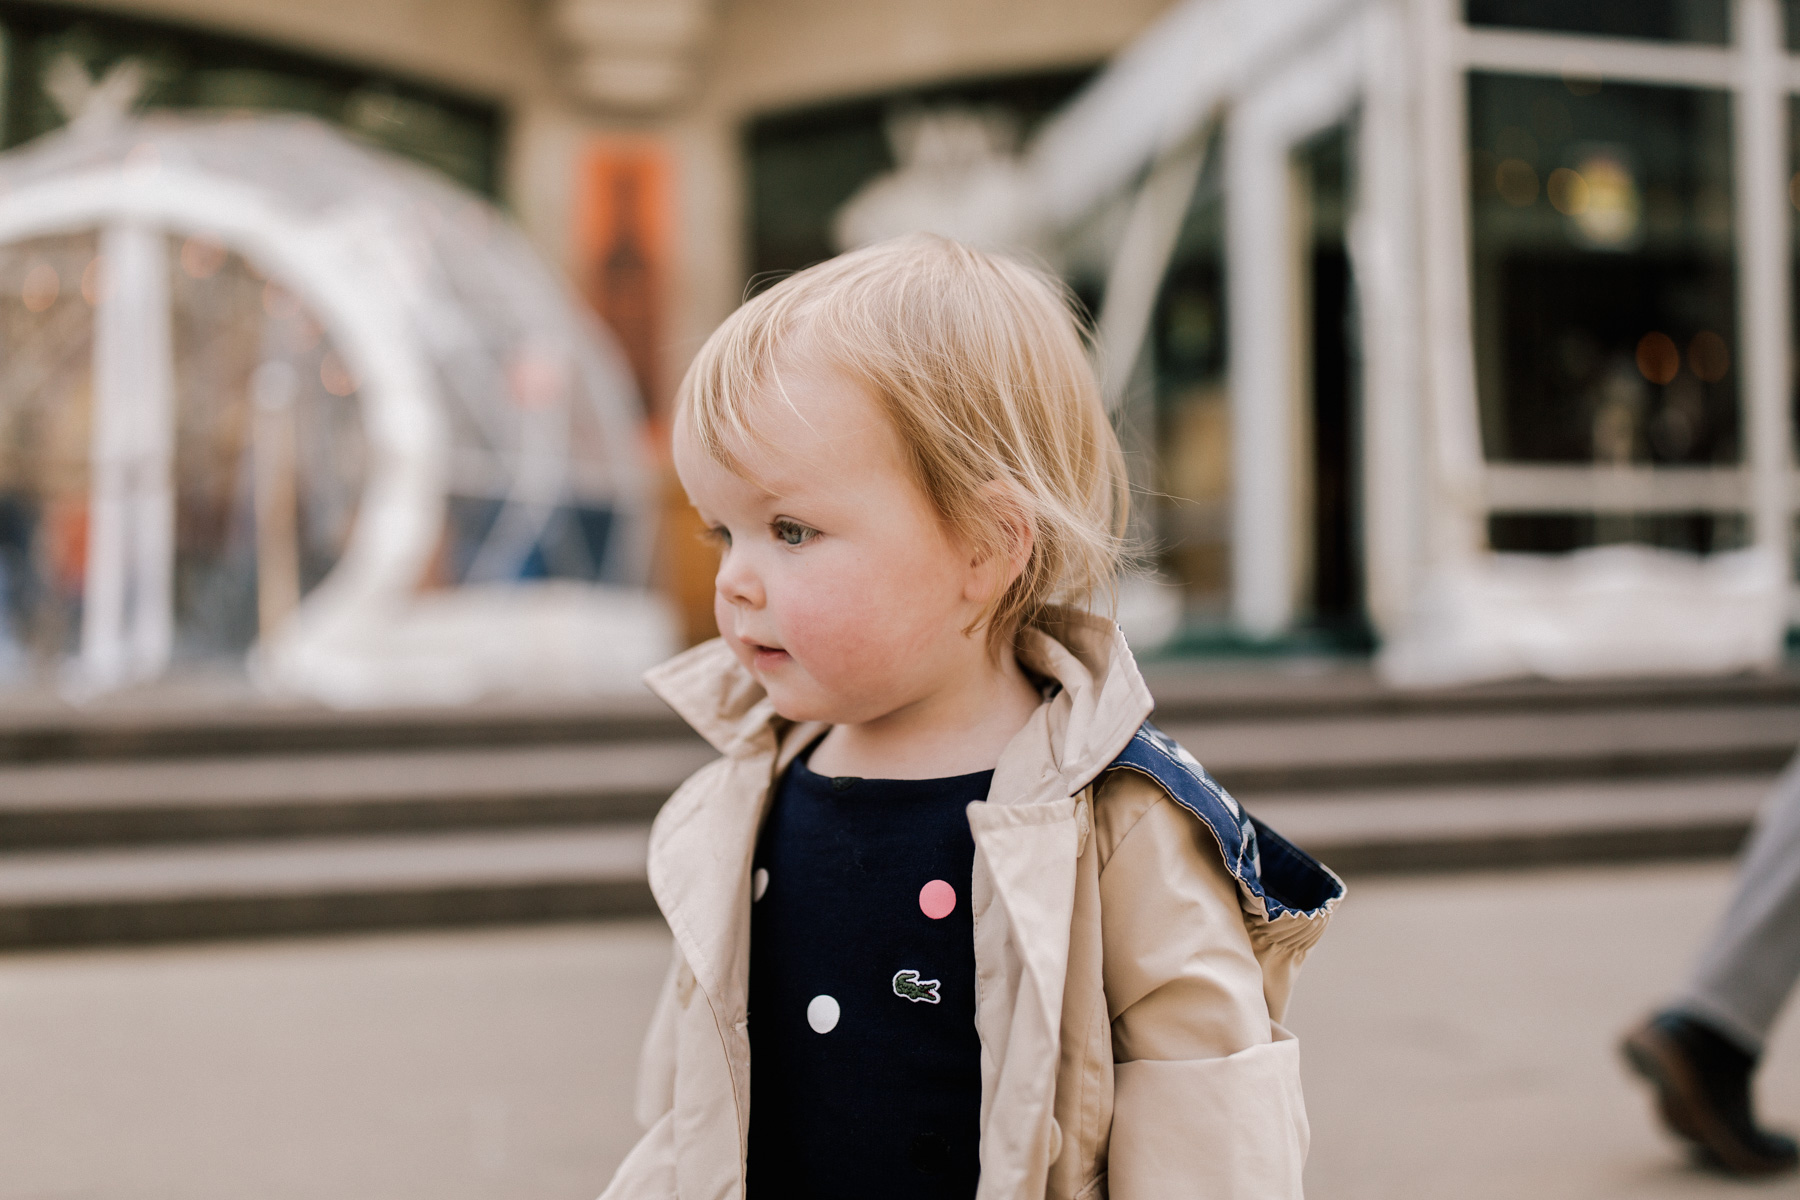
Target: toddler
(951, 919)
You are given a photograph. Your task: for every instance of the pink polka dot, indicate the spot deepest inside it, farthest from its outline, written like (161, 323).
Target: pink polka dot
(937, 899)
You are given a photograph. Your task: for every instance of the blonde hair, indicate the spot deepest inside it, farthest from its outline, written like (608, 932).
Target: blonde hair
(977, 361)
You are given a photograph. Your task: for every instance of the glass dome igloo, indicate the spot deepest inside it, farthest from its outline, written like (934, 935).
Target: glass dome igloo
(270, 397)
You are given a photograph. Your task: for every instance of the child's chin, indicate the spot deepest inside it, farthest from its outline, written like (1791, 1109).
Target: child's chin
(793, 706)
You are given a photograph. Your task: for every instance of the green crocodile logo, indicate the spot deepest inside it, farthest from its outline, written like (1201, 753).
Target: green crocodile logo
(908, 985)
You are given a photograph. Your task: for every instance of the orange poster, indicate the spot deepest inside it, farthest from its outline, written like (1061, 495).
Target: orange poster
(623, 221)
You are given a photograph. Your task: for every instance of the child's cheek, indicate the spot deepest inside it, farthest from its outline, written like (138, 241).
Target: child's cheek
(830, 626)
(854, 647)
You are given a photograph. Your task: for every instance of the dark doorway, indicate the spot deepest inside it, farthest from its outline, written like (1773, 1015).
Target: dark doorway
(1337, 602)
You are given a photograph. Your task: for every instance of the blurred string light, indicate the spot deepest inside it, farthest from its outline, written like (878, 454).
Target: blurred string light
(1568, 192)
(335, 375)
(201, 257)
(538, 376)
(41, 287)
(1659, 360)
(1709, 358)
(93, 281)
(1601, 200)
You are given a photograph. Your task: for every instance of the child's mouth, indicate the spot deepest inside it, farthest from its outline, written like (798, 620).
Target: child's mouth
(767, 656)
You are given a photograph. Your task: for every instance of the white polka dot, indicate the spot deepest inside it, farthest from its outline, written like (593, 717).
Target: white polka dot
(822, 1014)
(759, 883)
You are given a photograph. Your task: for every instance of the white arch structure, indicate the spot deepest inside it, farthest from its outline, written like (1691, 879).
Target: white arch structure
(349, 267)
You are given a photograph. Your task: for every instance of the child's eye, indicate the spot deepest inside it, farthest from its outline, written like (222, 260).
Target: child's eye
(716, 535)
(793, 533)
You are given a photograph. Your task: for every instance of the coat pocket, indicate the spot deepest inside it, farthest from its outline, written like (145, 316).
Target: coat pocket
(1225, 1127)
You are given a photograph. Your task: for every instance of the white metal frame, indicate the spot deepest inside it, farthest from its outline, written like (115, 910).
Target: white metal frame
(1760, 75)
(1313, 91)
(1280, 72)
(1383, 248)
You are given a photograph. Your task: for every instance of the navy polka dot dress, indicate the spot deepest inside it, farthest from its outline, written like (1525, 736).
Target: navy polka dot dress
(865, 1068)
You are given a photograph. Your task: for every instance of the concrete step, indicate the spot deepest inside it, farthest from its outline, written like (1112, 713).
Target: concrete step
(206, 799)
(1438, 829)
(59, 898)
(296, 885)
(1326, 754)
(144, 821)
(151, 726)
(165, 722)
(124, 802)
(1204, 691)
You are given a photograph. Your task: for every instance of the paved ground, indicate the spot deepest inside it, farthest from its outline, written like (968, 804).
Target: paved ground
(1458, 1033)
(1457, 1036)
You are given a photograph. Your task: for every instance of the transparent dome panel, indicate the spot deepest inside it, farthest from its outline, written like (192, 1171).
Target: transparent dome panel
(46, 341)
(269, 452)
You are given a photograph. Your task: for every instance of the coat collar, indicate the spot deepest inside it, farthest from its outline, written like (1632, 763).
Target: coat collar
(710, 690)
(1099, 702)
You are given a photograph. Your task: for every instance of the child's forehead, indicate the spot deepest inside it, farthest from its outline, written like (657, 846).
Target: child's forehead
(807, 412)
(809, 438)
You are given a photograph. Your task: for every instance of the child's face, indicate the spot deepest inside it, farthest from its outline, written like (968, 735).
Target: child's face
(838, 585)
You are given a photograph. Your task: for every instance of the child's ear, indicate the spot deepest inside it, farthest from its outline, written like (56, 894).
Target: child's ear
(1018, 534)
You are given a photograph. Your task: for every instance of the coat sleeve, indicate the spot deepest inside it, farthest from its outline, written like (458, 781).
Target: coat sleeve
(1207, 1095)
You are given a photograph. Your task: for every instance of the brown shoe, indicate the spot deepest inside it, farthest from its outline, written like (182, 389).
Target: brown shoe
(1702, 1083)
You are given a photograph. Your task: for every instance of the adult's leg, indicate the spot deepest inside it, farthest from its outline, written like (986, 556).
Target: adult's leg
(1701, 1052)
(1749, 966)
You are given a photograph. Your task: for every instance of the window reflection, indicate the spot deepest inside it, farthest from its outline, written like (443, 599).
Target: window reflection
(1604, 281)
(267, 483)
(1662, 20)
(46, 352)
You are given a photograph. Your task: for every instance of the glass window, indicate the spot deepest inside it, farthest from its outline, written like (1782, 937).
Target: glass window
(1558, 533)
(1604, 280)
(1190, 497)
(1661, 20)
(1794, 228)
(458, 135)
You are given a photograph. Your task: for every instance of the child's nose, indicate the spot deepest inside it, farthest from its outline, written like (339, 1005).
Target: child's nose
(737, 583)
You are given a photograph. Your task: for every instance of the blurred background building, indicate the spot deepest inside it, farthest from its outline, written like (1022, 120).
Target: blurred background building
(1454, 330)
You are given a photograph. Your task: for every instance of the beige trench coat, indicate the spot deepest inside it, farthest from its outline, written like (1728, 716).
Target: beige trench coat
(1130, 988)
